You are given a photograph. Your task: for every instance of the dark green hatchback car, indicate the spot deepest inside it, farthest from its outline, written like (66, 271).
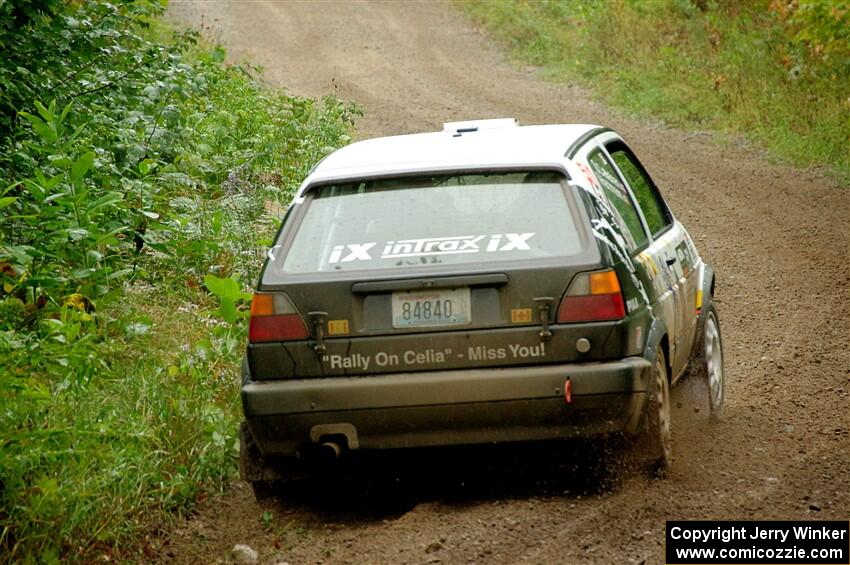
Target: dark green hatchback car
(487, 283)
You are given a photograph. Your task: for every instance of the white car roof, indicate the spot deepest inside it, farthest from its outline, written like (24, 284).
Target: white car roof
(497, 143)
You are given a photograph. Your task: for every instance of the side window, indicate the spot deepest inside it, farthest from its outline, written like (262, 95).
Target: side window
(618, 196)
(654, 210)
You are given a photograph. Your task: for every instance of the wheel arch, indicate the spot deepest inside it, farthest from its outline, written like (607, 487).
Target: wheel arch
(665, 347)
(706, 289)
(705, 298)
(657, 335)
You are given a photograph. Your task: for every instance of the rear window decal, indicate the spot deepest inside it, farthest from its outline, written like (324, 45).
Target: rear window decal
(404, 248)
(356, 252)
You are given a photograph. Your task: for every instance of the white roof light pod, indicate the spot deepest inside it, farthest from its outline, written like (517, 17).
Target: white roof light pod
(476, 125)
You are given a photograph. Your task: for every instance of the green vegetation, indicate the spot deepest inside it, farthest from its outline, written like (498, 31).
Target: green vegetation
(774, 71)
(136, 175)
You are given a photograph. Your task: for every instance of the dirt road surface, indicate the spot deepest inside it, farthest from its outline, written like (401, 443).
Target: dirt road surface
(777, 236)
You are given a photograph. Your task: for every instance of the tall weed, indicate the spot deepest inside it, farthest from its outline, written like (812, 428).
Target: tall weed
(134, 198)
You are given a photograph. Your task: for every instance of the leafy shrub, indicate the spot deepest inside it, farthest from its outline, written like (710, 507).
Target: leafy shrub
(823, 28)
(136, 175)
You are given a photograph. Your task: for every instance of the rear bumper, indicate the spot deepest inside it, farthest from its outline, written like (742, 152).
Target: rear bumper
(447, 407)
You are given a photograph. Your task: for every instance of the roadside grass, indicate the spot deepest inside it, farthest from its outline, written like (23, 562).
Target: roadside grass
(90, 464)
(774, 72)
(134, 224)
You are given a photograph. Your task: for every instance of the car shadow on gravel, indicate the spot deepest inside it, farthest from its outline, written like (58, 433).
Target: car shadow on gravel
(385, 486)
(375, 486)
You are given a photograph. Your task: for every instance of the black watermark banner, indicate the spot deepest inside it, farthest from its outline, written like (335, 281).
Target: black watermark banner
(758, 543)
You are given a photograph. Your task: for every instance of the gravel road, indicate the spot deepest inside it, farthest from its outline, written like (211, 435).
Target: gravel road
(778, 237)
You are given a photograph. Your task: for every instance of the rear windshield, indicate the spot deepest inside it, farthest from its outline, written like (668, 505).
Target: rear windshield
(451, 220)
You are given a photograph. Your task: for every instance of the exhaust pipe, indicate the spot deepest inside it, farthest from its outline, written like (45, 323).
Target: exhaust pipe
(325, 452)
(329, 451)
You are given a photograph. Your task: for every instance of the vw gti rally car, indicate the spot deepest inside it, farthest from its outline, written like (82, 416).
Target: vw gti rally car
(487, 283)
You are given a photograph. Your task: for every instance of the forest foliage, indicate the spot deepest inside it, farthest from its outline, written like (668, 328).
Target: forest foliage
(137, 171)
(774, 71)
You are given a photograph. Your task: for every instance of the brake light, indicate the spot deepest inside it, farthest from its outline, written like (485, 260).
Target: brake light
(593, 297)
(274, 318)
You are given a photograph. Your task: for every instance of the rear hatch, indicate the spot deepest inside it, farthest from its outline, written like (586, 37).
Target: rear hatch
(428, 273)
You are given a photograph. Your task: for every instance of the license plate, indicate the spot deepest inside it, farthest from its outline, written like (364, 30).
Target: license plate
(442, 307)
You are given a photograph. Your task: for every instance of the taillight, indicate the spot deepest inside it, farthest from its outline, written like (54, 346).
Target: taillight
(274, 318)
(593, 297)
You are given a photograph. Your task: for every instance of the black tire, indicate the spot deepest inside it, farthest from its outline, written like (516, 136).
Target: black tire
(708, 363)
(655, 439)
(265, 491)
(253, 468)
(251, 462)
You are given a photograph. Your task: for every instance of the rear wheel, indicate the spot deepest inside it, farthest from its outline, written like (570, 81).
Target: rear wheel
(253, 468)
(655, 442)
(713, 363)
(265, 491)
(710, 363)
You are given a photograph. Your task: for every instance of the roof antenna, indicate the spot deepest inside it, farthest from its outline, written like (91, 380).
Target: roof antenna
(470, 126)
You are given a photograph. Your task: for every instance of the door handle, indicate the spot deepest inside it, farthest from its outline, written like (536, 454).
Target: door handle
(670, 262)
